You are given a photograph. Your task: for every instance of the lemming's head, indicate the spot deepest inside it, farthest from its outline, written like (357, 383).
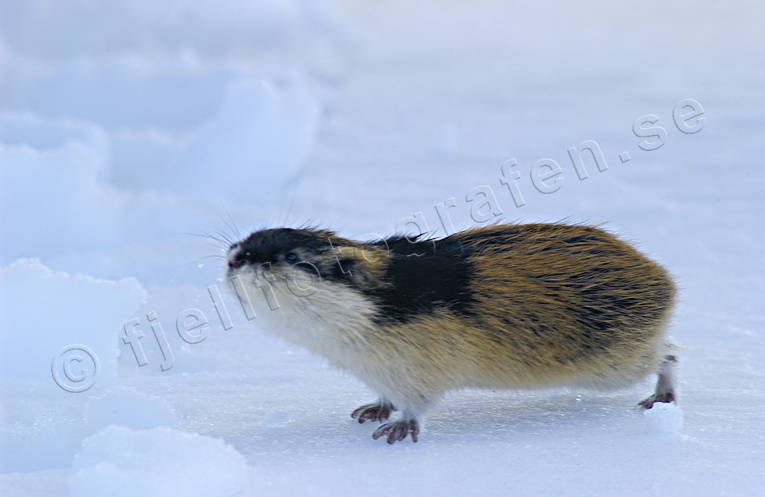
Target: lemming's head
(278, 246)
(288, 253)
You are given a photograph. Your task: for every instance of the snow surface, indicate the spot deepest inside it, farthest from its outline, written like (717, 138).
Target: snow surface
(157, 461)
(133, 133)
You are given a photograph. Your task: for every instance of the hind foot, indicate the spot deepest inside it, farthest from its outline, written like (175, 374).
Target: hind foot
(378, 411)
(665, 385)
(650, 401)
(398, 430)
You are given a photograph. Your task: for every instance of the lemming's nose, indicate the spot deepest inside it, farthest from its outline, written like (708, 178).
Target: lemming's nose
(234, 263)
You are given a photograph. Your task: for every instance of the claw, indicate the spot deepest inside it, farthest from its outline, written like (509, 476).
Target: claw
(414, 430)
(382, 430)
(398, 430)
(648, 403)
(379, 411)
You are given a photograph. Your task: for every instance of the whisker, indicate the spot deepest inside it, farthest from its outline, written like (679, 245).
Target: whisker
(215, 257)
(235, 229)
(226, 238)
(224, 244)
(221, 257)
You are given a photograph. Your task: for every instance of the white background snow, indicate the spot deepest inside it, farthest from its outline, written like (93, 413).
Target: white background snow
(127, 128)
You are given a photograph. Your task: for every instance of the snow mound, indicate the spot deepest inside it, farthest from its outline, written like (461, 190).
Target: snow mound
(51, 193)
(160, 461)
(37, 433)
(258, 138)
(44, 311)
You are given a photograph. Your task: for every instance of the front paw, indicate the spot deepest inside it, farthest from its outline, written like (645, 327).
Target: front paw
(378, 411)
(398, 430)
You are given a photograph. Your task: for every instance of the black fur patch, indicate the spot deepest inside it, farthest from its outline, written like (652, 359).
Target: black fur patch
(423, 277)
(340, 270)
(264, 246)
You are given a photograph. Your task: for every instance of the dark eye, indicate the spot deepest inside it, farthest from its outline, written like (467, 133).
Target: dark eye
(291, 257)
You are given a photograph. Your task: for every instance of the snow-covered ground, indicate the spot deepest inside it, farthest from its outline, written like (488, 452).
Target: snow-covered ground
(128, 129)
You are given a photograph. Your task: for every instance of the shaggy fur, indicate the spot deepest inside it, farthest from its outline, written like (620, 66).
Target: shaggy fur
(505, 306)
